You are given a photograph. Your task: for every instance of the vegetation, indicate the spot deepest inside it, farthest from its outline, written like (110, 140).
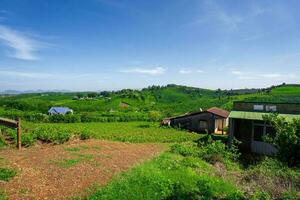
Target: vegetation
(149, 104)
(169, 176)
(186, 173)
(286, 140)
(6, 174)
(195, 167)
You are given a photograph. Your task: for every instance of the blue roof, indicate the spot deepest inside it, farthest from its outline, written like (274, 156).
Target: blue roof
(59, 110)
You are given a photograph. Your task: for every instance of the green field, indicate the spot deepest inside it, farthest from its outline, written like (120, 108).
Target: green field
(188, 169)
(120, 131)
(149, 104)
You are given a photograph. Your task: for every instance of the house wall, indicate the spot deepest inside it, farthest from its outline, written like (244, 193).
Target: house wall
(287, 108)
(192, 123)
(242, 131)
(220, 124)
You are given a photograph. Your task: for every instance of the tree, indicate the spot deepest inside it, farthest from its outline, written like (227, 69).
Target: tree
(286, 139)
(154, 116)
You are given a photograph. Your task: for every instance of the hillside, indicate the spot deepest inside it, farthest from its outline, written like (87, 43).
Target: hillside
(150, 103)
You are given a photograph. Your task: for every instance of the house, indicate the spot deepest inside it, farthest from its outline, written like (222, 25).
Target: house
(212, 120)
(246, 123)
(60, 111)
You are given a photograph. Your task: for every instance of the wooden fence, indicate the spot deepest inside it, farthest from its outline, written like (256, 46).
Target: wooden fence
(13, 124)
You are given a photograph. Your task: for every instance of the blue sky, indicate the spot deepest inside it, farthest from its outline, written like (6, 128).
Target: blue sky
(114, 44)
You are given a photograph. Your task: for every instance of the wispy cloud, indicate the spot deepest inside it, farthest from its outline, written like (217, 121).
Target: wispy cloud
(21, 45)
(185, 71)
(200, 71)
(258, 75)
(278, 76)
(42, 75)
(217, 14)
(237, 72)
(146, 71)
(25, 74)
(189, 71)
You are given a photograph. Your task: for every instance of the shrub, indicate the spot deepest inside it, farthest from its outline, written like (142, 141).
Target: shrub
(86, 134)
(6, 174)
(28, 139)
(207, 149)
(271, 174)
(290, 195)
(186, 149)
(54, 135)
(286, 139)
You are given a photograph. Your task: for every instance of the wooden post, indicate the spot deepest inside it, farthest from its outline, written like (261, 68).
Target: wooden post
(19, 133)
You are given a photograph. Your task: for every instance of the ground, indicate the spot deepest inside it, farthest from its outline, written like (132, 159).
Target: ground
(62, 171)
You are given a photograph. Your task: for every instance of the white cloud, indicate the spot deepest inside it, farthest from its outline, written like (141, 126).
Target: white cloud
(185, 71)
(23, 46)
(146, 71)
(237, 72)
(278, 76)
(43, 75)
(25, 74)
(199, 71)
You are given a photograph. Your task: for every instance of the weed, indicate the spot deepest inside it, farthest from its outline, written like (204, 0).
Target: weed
(3, 195)
(6, 174)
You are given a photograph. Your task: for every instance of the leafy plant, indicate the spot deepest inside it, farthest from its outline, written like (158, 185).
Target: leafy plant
(286, 140)
(6, 174)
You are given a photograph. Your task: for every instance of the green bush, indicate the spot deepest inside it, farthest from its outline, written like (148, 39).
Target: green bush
(54, 135)
(208, 149)
(286, 140)
(290, 195)
(166, 178)
(86, 134)
(28, 139)
(6, 174)
(271, 174)
(185, 149)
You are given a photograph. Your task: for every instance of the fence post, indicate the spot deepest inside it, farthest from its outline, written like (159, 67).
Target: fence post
(19, 133)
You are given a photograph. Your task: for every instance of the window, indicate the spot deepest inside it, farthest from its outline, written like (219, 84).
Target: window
(270, 131)
(261, 128)
(258, 107)
(258, 132)
(271, 108)
(203, 124)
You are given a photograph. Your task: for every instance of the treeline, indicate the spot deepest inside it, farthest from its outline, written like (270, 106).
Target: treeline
(82, 117)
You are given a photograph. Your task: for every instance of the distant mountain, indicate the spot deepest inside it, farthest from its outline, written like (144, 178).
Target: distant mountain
(15, 92)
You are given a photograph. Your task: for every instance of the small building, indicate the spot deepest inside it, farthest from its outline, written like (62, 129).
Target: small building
(212, 120)
(246, 123)
(60, 111)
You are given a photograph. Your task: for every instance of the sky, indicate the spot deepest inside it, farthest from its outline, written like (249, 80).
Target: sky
(113, 44)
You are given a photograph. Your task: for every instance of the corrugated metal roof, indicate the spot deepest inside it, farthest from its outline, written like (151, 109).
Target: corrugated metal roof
(218, 111)
(258, 115)
(214, 110)
(60, 110)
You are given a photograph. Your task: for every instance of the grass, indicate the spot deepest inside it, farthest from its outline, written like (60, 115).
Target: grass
(3, 195)
(75, 160)
(6, 174)
(185, 173)
(169, 176)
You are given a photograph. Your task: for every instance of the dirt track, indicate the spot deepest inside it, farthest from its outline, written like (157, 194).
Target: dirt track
(62, 171)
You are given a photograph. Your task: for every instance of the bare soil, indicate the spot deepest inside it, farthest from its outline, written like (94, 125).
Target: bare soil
(62, 171)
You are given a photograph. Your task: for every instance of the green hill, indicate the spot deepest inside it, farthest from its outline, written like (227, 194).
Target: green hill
(131, 105)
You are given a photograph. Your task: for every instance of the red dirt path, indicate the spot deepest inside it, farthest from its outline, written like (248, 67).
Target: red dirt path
(42, 173)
